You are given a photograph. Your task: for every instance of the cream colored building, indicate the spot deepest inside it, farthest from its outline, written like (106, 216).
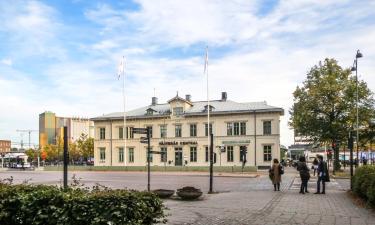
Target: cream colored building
(248, 131)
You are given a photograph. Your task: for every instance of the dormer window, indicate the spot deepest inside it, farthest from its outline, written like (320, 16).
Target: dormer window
(177, 111)
(211, 108)
(150, 111)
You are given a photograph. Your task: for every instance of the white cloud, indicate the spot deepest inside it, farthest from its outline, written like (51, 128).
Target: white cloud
(252, 57)
(7, 62)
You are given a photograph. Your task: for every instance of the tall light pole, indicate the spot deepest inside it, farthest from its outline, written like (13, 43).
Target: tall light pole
(355, 68)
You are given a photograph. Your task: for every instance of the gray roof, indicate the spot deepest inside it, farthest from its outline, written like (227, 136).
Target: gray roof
(198, 108)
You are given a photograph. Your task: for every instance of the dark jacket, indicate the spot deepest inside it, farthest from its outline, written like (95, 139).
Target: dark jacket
(303, 171)
(323, 170)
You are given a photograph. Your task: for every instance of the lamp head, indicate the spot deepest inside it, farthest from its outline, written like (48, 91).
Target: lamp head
(359, 54)
(353, 69)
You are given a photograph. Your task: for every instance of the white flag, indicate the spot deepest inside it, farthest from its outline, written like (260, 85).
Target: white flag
(121, 68)
(206, 61)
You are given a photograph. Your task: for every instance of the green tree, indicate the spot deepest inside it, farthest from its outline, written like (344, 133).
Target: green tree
(325, 105)
(32, 154)
(74, 152)
(86, 146)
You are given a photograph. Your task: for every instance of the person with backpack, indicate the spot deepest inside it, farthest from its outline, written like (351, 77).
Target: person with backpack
(304, 173)
(275, 173)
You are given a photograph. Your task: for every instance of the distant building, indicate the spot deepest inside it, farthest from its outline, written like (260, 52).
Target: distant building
(242, 131)
(5, 146)
(51, 128)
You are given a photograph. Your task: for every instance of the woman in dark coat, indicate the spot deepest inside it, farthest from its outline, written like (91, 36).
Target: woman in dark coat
(275, 174)
(304, 174)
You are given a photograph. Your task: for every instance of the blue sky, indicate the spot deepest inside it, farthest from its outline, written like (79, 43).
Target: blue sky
(62, 56)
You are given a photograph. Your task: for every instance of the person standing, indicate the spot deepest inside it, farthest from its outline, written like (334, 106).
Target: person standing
(322, 175)
(275, 174)
(315, 165)
(304, 173)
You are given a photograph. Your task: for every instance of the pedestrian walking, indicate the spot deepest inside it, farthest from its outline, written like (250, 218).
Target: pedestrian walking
(315, 165)
(275, 173)
(323, 175)
(304, 173)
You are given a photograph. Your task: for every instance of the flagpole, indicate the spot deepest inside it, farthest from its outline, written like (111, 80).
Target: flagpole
(208, 101)
(124, 130)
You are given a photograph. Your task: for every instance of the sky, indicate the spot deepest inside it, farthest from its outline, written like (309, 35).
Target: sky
(62, 55)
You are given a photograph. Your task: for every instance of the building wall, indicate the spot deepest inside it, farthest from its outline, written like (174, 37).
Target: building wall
(5, 146)
(112, 143)
(51, 128)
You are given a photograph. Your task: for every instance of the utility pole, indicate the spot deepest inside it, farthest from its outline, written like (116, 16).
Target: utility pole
(29, 132)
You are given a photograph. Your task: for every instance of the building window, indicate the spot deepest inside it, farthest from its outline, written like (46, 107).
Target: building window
(229, 153)
(193, 154)
(131, 134)
(177, 111)
(163, 131)
(243, 128)
(149, 155)
(120, 132)
(266, 127)
(178, 130)
(131, 155)
(236, 128)
(206, 130)
(150, 127)
(121, 155)
(267, 153)
(102, 154)
(163, 154)
(229, 129)
(207, 154)
(243, 151)
(102, 133)
(193, 130)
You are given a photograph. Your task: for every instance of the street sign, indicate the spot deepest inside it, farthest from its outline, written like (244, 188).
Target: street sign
(144, 140)
(155, 152)
(140, 130)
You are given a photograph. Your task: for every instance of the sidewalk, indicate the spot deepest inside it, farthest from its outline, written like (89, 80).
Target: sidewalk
(269, 207)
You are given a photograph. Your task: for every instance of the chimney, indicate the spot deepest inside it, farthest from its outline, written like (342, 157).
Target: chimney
(154, 101)
(223, 96)
(188, 98)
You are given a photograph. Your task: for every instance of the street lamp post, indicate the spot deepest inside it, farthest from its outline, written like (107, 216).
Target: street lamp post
(355, 68)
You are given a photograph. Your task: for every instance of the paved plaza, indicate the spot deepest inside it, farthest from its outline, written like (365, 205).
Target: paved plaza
(241, 199)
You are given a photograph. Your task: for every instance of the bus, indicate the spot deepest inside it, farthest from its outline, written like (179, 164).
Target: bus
(15, 160)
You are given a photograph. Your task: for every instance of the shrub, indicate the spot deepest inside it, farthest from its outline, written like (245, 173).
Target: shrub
(45, 205)
(364, 183)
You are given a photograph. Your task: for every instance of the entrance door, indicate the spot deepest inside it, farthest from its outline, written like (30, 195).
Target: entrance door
(178, 157)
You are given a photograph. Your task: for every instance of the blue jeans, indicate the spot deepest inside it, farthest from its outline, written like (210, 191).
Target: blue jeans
(321, 179)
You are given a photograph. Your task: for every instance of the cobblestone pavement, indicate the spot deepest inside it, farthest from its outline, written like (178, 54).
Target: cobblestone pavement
(241, 200)
(261, 205)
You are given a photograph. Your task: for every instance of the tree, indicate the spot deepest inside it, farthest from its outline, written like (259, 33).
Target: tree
(86, 146)
(325, 105)
(74, 152)
(32, 154)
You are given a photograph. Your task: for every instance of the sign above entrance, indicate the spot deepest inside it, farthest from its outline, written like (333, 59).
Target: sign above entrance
(178, 143)
(236, 142)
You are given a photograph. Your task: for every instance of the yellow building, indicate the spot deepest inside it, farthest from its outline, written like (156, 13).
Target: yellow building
(51, 128)
(242, 131)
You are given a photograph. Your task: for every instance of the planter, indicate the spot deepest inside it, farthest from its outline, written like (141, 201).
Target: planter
(163, 193)
(189, 193)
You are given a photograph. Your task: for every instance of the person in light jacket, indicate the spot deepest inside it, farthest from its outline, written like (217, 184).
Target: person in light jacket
(275, 173)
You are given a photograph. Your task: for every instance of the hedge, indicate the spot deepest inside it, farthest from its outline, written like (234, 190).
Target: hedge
(364, 183)
(47, 205)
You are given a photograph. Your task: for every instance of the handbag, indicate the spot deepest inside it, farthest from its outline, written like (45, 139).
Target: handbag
(281, 170)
